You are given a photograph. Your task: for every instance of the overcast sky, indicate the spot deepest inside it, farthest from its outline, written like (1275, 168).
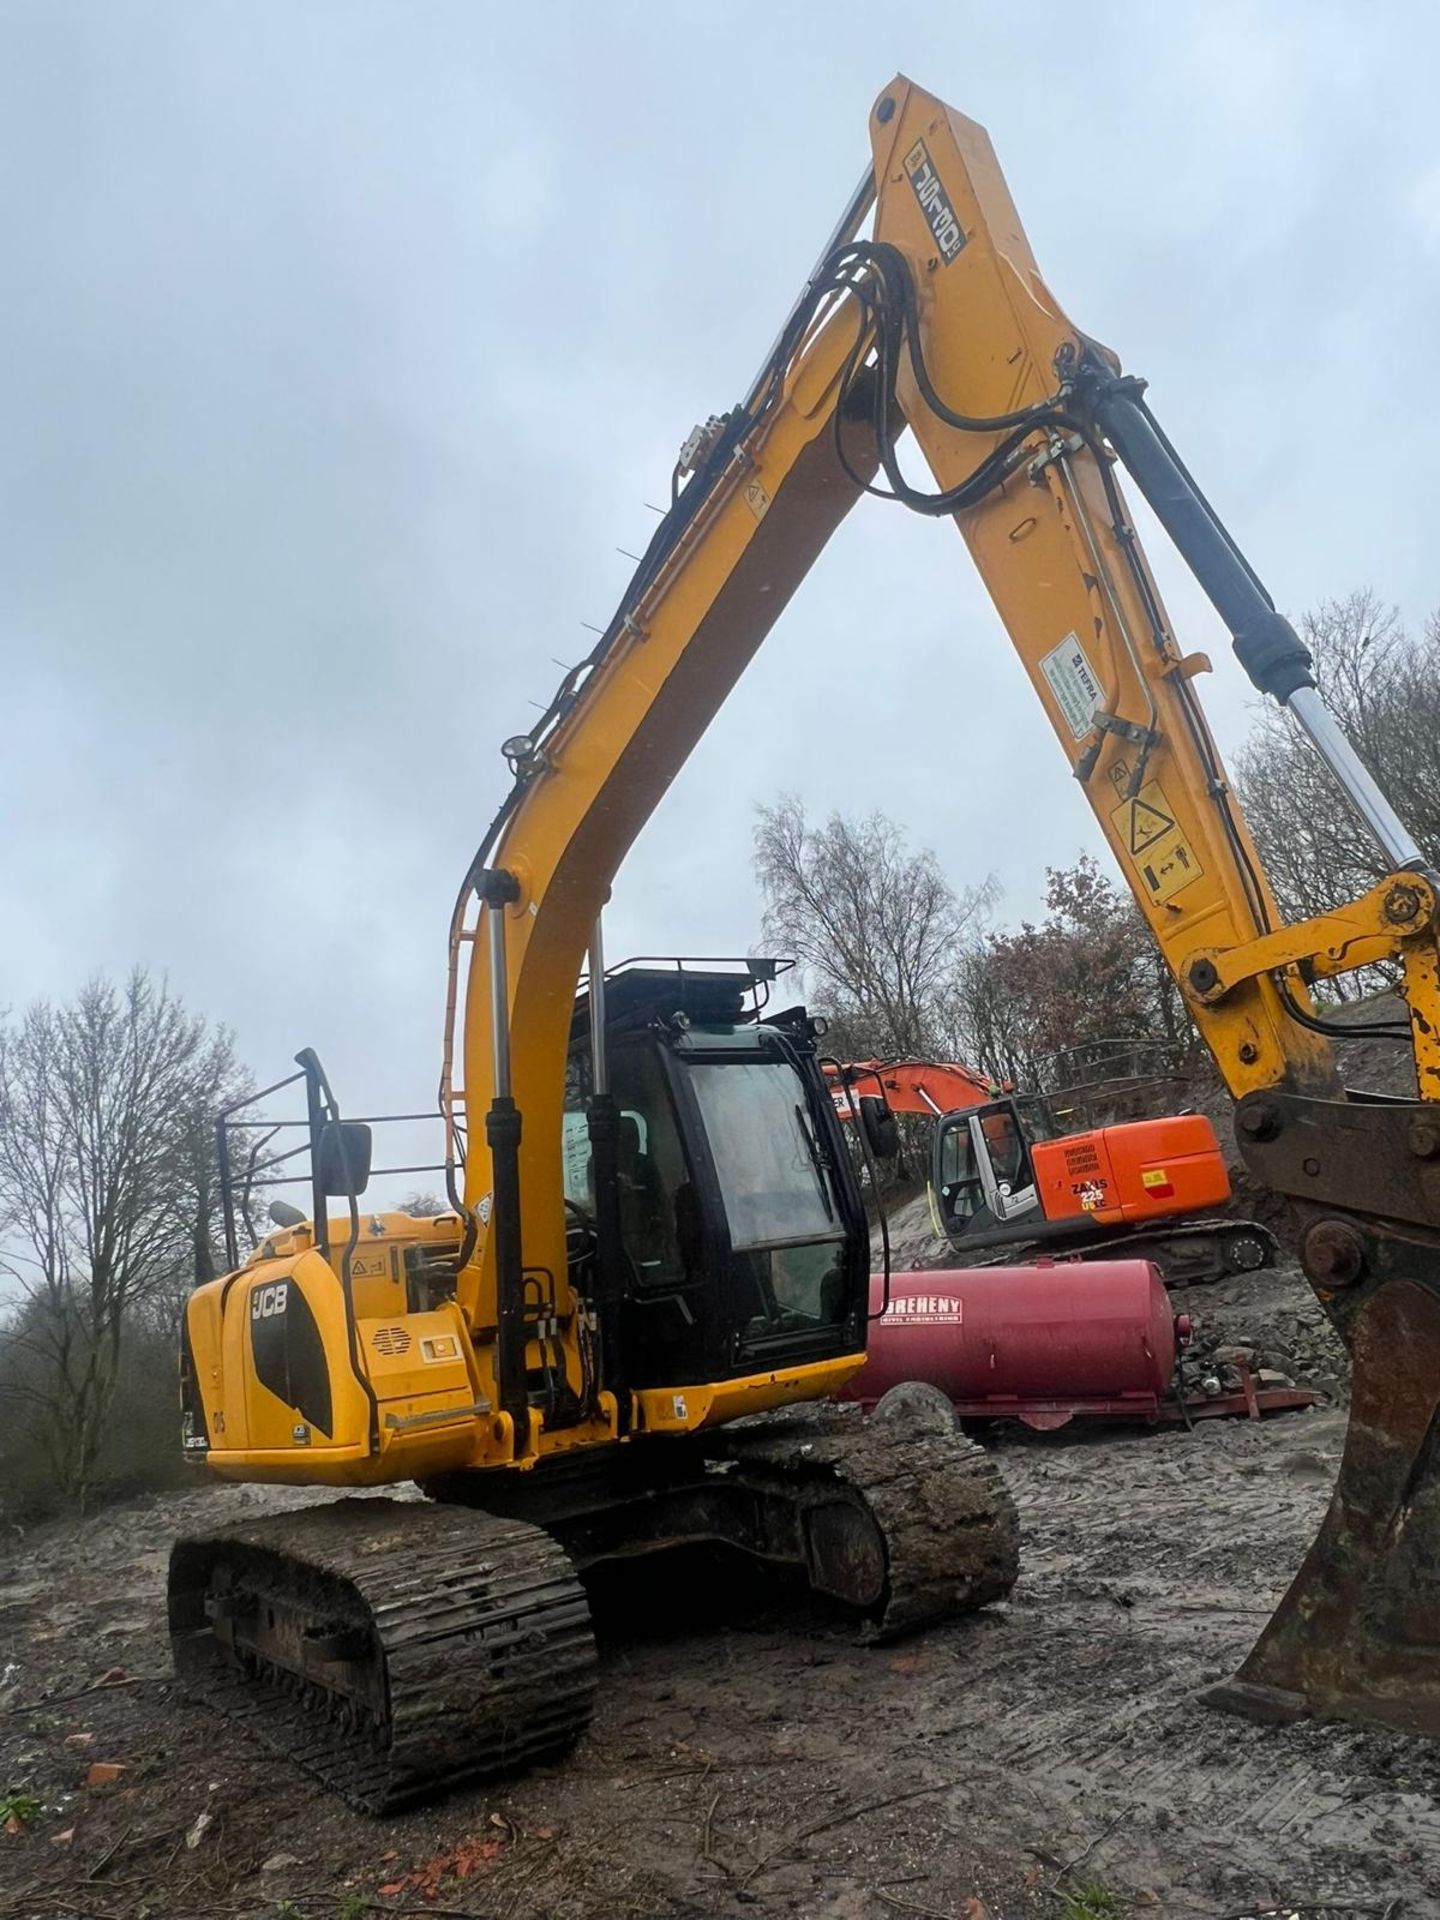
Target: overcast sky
(341, 345)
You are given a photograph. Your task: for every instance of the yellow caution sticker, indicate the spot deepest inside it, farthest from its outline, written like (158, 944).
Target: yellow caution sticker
(757, 499)
(1149, 832)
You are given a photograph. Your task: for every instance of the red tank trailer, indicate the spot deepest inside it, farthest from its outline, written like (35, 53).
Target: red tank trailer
(1042, 1344)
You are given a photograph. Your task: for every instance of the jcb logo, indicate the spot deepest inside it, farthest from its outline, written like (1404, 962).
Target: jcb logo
(265, 1302)
(934, 202)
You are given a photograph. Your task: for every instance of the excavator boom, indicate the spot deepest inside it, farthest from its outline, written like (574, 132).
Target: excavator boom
(924, 1087)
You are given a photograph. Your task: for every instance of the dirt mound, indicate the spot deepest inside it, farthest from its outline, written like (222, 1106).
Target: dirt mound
(914, 1242)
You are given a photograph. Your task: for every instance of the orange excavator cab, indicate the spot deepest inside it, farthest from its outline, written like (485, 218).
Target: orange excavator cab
(1003, 1176)
(1006, 1176)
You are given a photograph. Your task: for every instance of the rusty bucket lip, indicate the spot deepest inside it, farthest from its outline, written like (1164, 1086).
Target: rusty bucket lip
(1356, 1636)
(1274, 1706)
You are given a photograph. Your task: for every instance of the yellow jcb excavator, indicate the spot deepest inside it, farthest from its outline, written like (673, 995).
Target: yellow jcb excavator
(654, 1230)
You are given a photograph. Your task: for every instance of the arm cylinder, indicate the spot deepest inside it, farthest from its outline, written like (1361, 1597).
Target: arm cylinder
(1267, 646)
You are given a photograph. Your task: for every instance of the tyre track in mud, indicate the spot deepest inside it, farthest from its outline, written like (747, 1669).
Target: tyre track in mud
(1150, 1567)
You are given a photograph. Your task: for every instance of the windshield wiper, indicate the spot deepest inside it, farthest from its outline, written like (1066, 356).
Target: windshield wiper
(812, 1147)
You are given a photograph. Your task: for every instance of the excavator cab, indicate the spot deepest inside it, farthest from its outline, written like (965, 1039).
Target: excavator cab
(982, 1171)
(742, 1238)
(1008, 1174)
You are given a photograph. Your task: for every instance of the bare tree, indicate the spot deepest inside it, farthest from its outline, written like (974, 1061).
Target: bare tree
(1051, 999)
(878, 929)
(421, 1205)
(1383, 685)
(106, 1191)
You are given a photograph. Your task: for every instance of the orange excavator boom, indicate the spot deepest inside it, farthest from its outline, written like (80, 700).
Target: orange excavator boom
(926, 1087)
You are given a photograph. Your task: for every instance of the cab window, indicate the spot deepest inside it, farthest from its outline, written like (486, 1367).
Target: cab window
(961, 1194)
(1006, 1145)
(651, 1173)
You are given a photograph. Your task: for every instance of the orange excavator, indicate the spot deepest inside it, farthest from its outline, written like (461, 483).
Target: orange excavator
(1005, 1176)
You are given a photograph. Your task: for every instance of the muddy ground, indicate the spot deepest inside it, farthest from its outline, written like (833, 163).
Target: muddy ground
(765, 1764)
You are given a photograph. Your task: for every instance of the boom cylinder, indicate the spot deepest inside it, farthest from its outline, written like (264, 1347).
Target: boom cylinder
(602, 1119)
(497, 889)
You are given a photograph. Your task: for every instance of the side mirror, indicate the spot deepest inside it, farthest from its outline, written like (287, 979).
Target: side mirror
(342, 1158)
(882, 1130)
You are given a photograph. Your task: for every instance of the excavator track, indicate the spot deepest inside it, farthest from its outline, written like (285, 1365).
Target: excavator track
(1187, 1252)
(897, 1514)
(933, 1499)
(392, 1649)
(395, 1649)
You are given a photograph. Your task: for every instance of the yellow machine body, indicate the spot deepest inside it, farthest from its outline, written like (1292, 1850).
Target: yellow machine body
(417, 1397)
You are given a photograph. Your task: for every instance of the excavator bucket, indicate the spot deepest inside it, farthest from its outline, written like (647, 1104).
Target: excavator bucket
(1357, 1637)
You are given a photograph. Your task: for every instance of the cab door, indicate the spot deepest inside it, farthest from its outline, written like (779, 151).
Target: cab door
(981, 1174)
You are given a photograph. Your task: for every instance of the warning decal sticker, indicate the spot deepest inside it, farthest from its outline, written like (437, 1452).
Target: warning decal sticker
(1150, 834)
(1147, 825)
(1074, 683)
